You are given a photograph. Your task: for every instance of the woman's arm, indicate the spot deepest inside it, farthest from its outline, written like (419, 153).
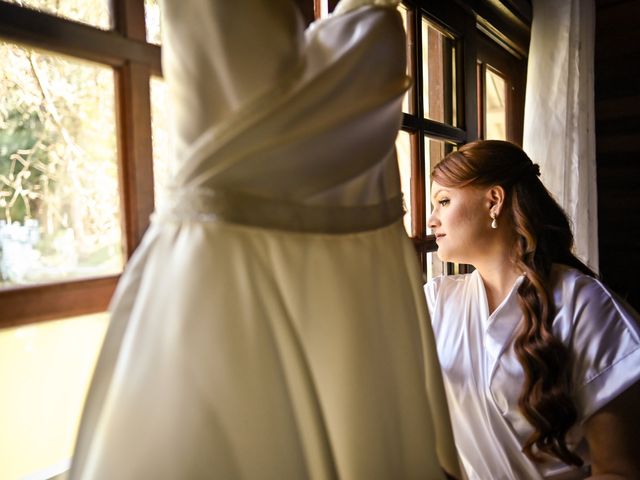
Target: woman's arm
(613, 434)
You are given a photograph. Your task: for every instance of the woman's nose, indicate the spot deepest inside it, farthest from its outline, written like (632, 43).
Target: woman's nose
(432, 221)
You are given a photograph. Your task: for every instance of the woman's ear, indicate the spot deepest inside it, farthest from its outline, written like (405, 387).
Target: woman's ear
(495, 196)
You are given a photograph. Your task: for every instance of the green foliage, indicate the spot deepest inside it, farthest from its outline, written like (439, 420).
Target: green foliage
(24, 163)
(58, 158)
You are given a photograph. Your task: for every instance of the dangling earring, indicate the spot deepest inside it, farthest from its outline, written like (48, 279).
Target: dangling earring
(494, 223)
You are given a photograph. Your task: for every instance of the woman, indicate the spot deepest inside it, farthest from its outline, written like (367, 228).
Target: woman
(541, 362)
(252, 337)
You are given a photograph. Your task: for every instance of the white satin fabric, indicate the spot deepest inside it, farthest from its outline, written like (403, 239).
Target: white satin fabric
(272, 324)
(483, 377)
(559, 122)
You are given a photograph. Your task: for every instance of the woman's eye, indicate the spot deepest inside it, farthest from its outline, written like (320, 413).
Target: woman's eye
(444, 202)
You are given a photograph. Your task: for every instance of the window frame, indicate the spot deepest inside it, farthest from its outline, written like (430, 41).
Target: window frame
(134, 60)
(496, 33)
(125, 49)
(511, 66)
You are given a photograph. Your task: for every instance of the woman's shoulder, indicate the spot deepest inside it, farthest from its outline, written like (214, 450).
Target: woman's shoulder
(589, 313)
(449, 285)
(449, 281)
(580, 290)
(602, 331)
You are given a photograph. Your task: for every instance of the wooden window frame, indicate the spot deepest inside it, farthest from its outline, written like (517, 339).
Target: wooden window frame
(511, 66)
(481, 30)
(134, 61)
(125, 49)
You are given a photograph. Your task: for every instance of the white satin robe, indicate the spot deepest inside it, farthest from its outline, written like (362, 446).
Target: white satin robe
(483, 377)
(272, 324)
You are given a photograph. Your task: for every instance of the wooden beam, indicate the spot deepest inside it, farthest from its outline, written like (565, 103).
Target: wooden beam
(52, 33)
(23, 305)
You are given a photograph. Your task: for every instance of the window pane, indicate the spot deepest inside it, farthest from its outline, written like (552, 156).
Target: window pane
(93, 12)
(44, 375)
(495, 106)
(163, 161)
(152, 21)
(434, 151)
(59, 200)
(403, 148)
(407, 101)
(435, 267)
(438, 74)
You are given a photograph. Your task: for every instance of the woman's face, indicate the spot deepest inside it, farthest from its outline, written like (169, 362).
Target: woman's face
(460, 221)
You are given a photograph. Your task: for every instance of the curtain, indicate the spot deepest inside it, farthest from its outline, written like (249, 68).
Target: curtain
(559, 126)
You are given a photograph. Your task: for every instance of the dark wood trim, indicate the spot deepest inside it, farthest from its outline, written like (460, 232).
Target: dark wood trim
(135, 151)
(513, 70)
(425, 244)
(495, 18)
(309, 9)
(418, 180)
(481, 88)
(44, 31)
(470, 90)
(31, 304)
(442, 131)
(412, 58)
(522, 9)
(129, 19)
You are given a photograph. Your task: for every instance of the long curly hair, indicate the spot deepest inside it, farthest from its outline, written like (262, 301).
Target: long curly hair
(543, 237)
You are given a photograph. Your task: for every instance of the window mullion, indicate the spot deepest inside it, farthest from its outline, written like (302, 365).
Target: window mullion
(134, 128)
(135, 151)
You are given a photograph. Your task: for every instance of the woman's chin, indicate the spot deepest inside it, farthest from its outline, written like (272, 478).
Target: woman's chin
(442, 256)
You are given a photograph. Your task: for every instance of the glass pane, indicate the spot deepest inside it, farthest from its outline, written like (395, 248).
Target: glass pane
(407, 101)
(435, 267)
(163, 161)
(59, 200)
(152, 21)
(92, 12)
(495, 106)
(434, 151)
(438, 74)
(45, 371)
(403, 148)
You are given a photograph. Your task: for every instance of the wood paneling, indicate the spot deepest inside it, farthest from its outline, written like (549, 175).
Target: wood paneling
(617, 103)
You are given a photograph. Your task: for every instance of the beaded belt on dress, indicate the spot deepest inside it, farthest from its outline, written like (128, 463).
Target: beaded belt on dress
(207, 205)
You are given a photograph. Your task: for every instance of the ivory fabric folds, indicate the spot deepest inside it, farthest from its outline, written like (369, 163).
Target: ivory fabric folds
(272, 324)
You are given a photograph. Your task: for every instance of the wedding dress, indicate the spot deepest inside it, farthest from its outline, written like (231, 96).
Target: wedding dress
(272, 324)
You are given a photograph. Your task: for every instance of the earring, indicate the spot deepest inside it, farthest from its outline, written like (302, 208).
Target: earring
(494, 223)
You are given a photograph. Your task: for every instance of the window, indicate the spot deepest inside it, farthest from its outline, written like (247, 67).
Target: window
(59, 202)
(92, 12)
(77, 80)
(76, 182)
(501, 86)
(468, 84)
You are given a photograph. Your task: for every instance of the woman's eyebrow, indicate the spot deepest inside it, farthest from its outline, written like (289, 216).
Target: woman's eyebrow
(435, 194)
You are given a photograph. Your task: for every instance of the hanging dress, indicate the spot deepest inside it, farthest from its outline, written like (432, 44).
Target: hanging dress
(271, 324)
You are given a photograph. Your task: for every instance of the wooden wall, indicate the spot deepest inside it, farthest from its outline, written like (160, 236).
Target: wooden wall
(617, 112)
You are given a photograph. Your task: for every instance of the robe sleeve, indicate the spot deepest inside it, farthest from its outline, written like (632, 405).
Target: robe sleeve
(605, 345)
